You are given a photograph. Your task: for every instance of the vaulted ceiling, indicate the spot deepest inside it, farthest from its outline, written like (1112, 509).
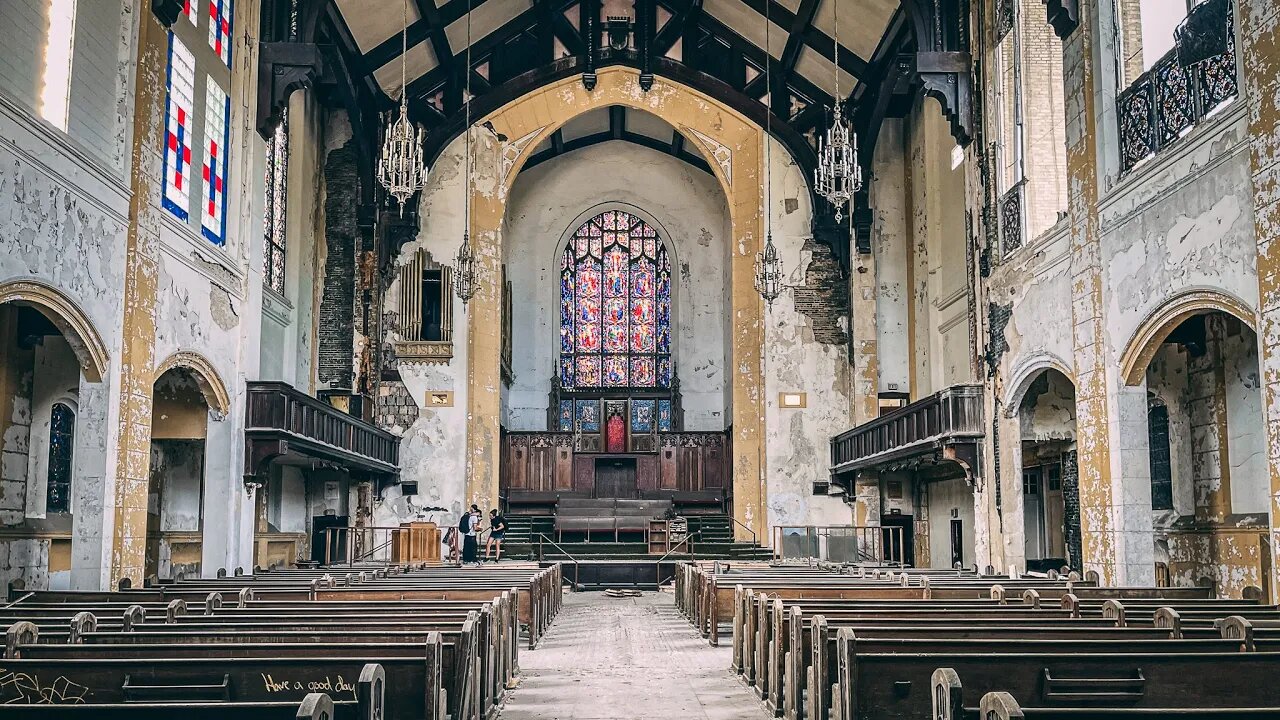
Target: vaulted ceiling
(721, 39)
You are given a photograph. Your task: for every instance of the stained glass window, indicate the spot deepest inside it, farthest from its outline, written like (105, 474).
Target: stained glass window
(179, 128)
(217, 118)
(273, 217)
(62, 424)
(615, 305)
(220, 29)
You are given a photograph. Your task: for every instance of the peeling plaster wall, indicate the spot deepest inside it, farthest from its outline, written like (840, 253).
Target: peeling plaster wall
(1246, 442)
(797, 440)
(433, 445)
(1183, 221)
(1167, 380)
(177, 470)
(947, 497)
(889, 238)
(688, 206)
(937, 257)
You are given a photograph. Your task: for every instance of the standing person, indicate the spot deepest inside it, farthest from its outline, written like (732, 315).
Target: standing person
(459, 540)
(470, 538)
(497, 531)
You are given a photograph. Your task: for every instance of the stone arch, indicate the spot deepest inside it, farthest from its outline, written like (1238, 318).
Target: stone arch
(1157, 325)
(734, 145)
(205, 375)
(65, 315)
(1026, 371)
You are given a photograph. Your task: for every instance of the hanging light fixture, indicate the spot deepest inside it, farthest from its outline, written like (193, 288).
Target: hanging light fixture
(768, 264)
(838, 175)
(401, 169)
(464, 263)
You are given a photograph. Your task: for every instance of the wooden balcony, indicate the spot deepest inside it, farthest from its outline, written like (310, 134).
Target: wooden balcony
(946, 426)
(287, 426)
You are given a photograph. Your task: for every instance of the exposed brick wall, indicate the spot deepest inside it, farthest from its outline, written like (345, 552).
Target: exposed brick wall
(396, 410)
(1071, 514)
(337, 303)
(824, 297)
(997, 320)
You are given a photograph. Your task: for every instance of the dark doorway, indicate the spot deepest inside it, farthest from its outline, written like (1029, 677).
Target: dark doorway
(616, 478)
(337, 541)
(899, 546)
(957, 541)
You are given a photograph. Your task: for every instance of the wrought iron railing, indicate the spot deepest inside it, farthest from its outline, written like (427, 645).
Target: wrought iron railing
(950, 416)
(1170, 99)
(1011, 219)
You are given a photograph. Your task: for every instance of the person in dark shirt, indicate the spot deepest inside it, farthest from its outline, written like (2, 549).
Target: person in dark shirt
(497, 531)
(470, 527)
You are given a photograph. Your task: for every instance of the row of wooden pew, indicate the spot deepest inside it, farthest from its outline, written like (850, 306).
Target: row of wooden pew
(855, 644)
(396, 641)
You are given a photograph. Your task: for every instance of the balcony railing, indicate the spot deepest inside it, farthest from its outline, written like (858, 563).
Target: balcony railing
(284, 421)
(947, 418)
(1170, 99)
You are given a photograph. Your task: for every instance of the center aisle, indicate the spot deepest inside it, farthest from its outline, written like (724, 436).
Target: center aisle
(607, 658)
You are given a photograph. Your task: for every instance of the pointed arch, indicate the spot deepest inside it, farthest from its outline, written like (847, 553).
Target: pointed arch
(65, 315)
(1167, 316)
(206, 376)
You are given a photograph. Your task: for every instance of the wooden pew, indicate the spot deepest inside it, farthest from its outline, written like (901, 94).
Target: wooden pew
(898, 685)
(368, 705)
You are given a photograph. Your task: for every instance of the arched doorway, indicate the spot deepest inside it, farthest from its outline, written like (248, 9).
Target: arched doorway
(51, 359)
(1049, 486)
(1205, 470)
(175, 491)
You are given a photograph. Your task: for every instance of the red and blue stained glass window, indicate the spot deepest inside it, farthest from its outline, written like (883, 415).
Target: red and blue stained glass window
(615, 306)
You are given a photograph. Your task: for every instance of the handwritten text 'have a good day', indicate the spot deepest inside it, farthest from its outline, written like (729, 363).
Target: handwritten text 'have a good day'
(326, 685)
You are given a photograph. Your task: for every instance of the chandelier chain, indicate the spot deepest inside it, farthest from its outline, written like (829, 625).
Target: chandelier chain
(768, 266)
(465, 273)
(838, 176)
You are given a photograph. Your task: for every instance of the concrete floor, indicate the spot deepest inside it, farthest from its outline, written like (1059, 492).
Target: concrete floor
(607, 658)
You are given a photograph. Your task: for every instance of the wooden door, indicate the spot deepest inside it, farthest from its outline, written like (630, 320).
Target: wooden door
(1054, 513)
(615, 478)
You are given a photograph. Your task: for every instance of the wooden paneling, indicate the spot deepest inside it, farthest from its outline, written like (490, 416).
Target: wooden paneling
(547, 462)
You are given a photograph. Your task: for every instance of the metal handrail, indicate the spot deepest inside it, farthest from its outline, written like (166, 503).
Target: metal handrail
(687, 538)
(543, 536)
(754, 538)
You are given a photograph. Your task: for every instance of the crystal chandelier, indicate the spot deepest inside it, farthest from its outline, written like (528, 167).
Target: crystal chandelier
(464, 263)
(768, 268)
(401, 169)
(838, 175)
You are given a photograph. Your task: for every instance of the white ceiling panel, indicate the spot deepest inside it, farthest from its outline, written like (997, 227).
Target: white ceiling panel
(372, 22)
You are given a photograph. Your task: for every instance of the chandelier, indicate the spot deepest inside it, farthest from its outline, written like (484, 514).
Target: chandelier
(768, 269)
(401, 169)
(838, 175)
(464, 263)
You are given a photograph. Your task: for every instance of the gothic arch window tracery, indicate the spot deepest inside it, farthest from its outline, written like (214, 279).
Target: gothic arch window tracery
(615, 306)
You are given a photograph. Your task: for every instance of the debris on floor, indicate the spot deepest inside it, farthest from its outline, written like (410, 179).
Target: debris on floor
(620, 593)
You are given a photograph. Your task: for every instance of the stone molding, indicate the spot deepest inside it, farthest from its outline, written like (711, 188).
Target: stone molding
(67, 316)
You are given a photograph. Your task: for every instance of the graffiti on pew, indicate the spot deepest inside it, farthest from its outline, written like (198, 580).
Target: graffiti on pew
(19, 688)
(327, 685)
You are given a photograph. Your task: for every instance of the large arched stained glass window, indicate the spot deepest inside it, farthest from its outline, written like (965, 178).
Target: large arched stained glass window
(615, 306)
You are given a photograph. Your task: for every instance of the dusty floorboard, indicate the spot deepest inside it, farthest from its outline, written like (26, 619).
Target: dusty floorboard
(627, 658)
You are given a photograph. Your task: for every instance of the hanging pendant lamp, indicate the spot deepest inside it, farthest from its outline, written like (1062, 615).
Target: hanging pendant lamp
(464, 263)
(838, 176)
(401, 169)
(768, 266)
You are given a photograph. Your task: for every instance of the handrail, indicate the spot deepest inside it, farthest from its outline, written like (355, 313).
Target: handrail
(687, 538)
(754, 538)
(543, 536)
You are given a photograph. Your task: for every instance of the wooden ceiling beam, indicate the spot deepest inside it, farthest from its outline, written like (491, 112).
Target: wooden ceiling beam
(419, 31)
(814, 38)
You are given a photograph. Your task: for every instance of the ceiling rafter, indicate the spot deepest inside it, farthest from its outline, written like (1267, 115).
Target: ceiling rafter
(814, 38)
(561, 147)
(785, 66)
(419, 32)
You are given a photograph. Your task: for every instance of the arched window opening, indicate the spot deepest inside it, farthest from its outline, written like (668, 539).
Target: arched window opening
(1161, 466)
(615, 306)
(62, 424)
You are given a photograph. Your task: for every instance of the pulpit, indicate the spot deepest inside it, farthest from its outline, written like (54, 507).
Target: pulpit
(416, 542)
